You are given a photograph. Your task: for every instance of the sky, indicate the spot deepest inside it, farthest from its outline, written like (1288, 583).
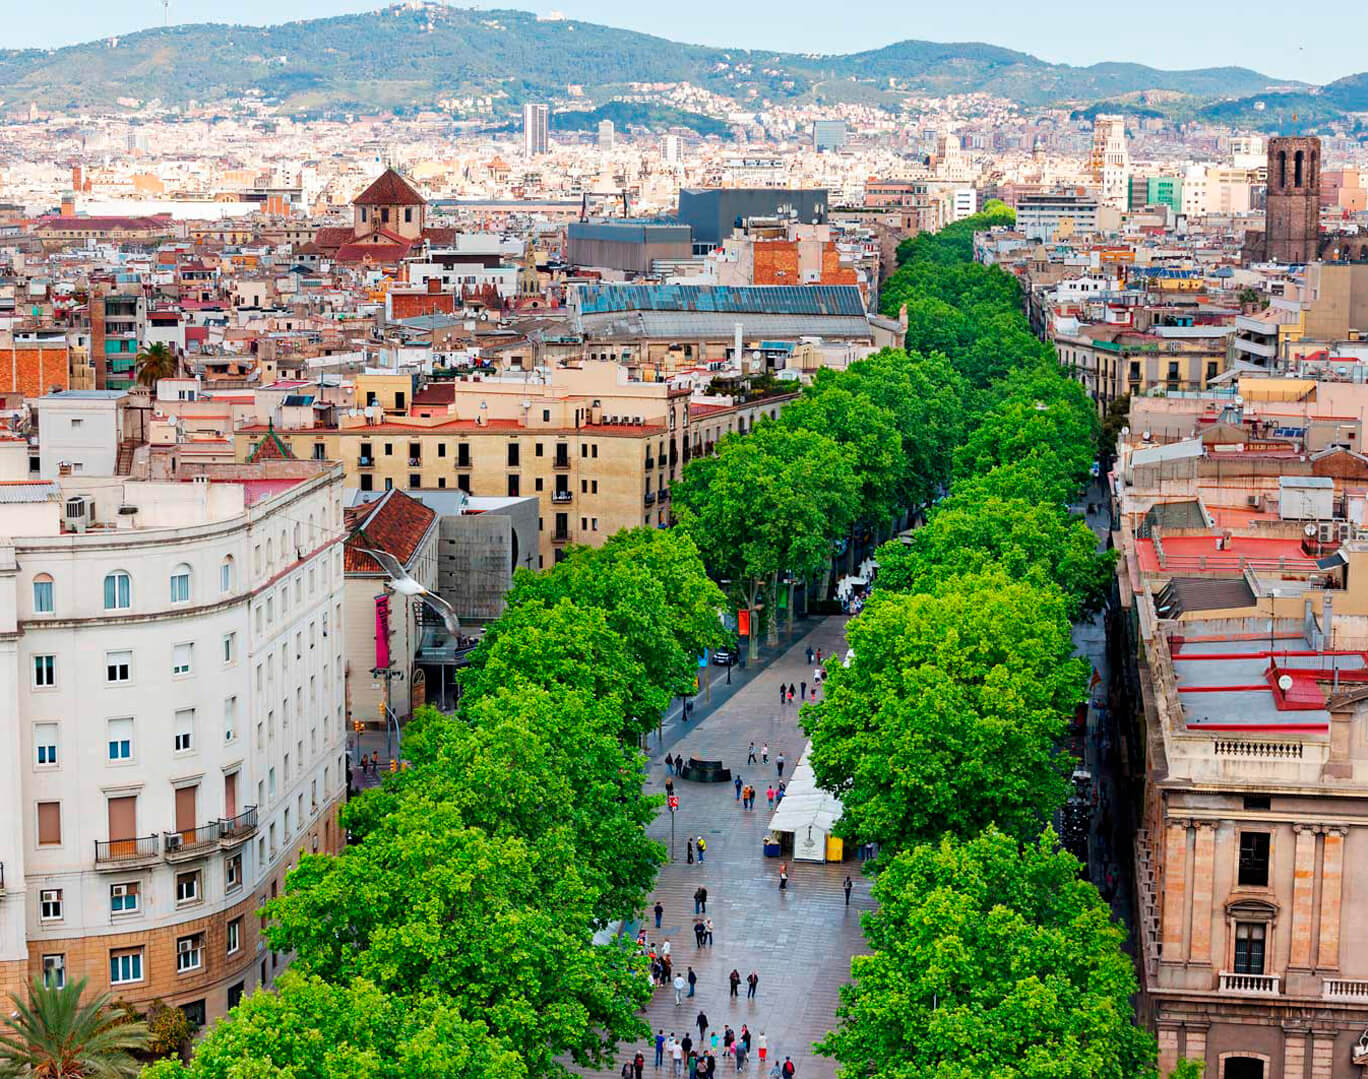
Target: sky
(1169, 33)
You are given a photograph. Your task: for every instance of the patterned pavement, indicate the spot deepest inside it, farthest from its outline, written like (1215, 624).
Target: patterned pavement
(800, 941)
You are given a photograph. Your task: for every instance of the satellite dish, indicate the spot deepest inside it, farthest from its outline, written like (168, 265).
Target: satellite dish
(1285, 682)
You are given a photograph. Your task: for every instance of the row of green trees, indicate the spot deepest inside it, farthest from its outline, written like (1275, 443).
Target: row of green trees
(943, 735)
(456, 935)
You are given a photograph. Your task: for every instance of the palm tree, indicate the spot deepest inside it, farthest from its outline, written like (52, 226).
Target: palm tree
(55, 1036)
(155, 361)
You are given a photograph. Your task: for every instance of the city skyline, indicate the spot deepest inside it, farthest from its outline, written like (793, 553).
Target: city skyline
(1210, 38)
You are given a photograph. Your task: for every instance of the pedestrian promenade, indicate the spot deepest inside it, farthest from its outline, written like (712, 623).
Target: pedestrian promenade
(800, 941)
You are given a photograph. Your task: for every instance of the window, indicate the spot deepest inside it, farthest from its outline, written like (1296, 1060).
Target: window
(50, 904)
(120, 739)
(184, 730)
(44, 672)
(1249, 947)
(1254, 859)
(125, 965)
(189, 953)
(232, 872)
(118, 591)
(49, 824)
(512, 455)
(513, 486)
(188, 887)
(234, 936)
(235, 992)
(229, 649)
(229, 719)
(226, 574)
(123, 898)
(1258, 801)
(180, 584)
(181, 657)
(118, 666)
(367, 481)
(42, 594)
(54, 971)
(45, 743)
(194, 1012)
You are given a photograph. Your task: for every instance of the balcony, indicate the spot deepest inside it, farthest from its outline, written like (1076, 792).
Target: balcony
(237, 830)
(561, 496)
(650, 463)
(462, 462)
(650, 498)
(192, 842)
(664, 494)
(1354, 992)
(560, 537)
(1249, 985)
(414, 462)
(121, 854)
(561, 463)
(365, 461)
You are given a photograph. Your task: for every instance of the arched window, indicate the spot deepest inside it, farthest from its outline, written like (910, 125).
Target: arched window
(42, 594)
(270, 555)
(226, 574)
(118, 591)
(1298, 160)
(1282, 168)
(180, 584)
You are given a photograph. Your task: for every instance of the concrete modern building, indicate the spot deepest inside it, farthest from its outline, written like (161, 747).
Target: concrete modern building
(630, 246)
(1045, 216)
(534, 124)
(80, 432)
(171, 674)
(828, 135)
(714, 212)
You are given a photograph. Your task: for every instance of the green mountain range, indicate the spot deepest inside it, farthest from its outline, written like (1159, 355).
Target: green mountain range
(406, 58)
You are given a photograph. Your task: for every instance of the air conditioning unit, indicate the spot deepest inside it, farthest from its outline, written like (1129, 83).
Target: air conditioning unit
(79, 512)
(173, 841)
(186, 946)
(50, 895)
(118, 891)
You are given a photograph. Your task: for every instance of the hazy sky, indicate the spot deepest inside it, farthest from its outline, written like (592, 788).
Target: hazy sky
(1162, 33)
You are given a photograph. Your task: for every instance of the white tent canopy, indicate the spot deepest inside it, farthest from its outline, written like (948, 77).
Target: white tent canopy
(807, 811)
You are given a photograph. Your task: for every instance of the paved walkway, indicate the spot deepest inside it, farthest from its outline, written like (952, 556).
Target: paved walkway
(799, 942)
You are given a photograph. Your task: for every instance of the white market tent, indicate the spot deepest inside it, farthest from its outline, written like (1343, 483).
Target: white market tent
(807, 812)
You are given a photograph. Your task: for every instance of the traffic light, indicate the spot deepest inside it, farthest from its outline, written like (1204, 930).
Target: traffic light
(358, 726)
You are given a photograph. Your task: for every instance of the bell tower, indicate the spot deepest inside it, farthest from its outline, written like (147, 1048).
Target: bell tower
(1292, 229)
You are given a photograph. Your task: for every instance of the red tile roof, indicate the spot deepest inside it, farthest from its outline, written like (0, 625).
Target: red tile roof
(394, 523)
(374, 252)
(390, 189)
(333, 236)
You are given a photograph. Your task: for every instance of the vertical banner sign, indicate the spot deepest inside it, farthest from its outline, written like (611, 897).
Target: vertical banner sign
(382, 652)
(743, 621)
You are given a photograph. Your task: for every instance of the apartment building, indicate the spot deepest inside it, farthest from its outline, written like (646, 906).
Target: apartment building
(1243, 617)
(1112, 361)
(171, 664)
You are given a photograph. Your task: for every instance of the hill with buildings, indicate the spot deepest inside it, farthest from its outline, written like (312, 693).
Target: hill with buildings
(407, 57)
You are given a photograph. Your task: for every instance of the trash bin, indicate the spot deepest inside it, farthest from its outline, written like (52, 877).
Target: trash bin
(771, 846)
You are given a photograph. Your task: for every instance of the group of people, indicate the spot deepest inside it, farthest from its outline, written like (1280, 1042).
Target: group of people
(370, 766)
(699, 845)
(698, 1060)
(800, 691)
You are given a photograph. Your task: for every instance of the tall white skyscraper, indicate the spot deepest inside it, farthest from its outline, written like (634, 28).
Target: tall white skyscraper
(605, 135)
(672, 150)
(535, 119)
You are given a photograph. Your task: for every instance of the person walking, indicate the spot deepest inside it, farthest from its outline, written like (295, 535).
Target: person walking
(669, 764)
(746, 1037)
(669, 787)
(693, 1066)
(687, 1043)
(802, 691)
(659, 913)
(638, 1066)
(819, 657)
(750, 754)
(752, 981)
(809, 653)
(665, 950)
(693, 981)
(702, 845)
(702, 1023)
(764, 753)
(783, 877)
(627, 1070)
(783, 695)
(708, 931)
(734, 978)
(761, 1048)
(679, 985)
(698, 931)
(847, 886)
(779, 763)
(769, 795)
(690, 850)
(737, 784)
(660, 1046)
(790, 693)
(700, 897)
(678, 1059)
(788, 1069)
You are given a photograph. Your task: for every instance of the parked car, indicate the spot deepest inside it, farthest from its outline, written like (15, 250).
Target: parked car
(724, 657)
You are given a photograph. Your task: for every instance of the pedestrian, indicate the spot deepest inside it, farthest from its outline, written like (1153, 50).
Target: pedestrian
(700, 899)
(847, 886)
(693, 1066)
(752, 980)
(750, 754)
(783, 877)
(779, 763)
(783, 695)
(779, 793)
(698, 932)
(679, 984)
(638, 1066)
(665, 950)
(764, 753)
(660, 1046)
(669, 786)
(702, 846)
(669, 1046)
(627, 1072)
(678, 1059)
(714, 1041)
(761, 1048)
(819, 657)
(734, 978)
(746, 1038)
(769, 795)
(802, 691)
(728, 1036)
(791, 692)
(737, 784)
(702, 1023)
(708, 931)
(687, 1043)
(689, 851)
(669, 764)
(740, 1050)
(809, 653)
(693, 981)
(659, 913)
(788, 1069)
(375, 763)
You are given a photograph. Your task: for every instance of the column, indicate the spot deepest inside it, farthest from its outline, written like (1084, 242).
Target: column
(1195, 1042)
(1294, 1054)
(1322, 1054)
(1174, 893)
(1332, 872)
(1168, 1047)
(1203, 867)
(1303, 895)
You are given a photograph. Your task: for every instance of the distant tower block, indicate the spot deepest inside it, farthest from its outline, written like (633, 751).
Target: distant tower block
(1292, 231)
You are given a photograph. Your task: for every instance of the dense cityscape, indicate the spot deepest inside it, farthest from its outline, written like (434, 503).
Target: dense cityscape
(514, 530)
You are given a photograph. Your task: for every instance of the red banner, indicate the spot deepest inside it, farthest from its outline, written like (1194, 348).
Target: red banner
(382, 653)
(743, 622)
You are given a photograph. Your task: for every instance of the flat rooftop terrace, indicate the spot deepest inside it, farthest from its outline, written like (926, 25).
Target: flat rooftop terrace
(1273, 686)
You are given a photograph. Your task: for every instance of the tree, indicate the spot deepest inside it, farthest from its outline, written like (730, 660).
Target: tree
(54, 1035)
(309, 1029)
(1036, 541)
(155, 361)
(1038, 476)
(950, 712)
(770, 502)
(1017, 426)
(989, 959)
